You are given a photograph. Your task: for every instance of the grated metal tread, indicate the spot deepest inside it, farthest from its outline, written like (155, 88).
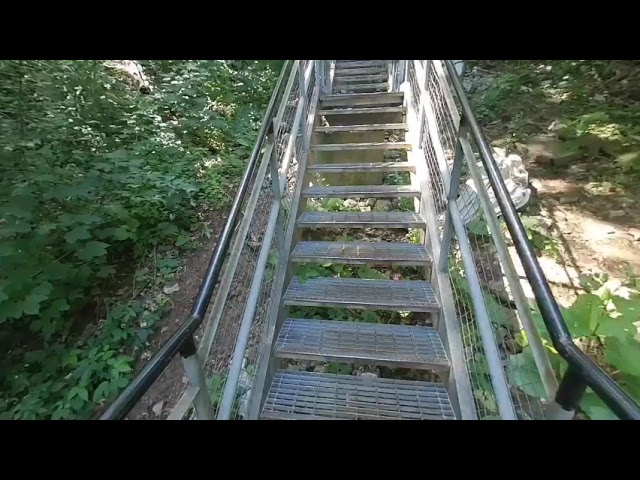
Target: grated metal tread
(394, 346)
(368, 191)
(385, 167)
(361, 220)
(363, 128)
(344, 79)
(361, 253)
(351, 96)
(361, 64)
(332, 147)
(362, 96)
(360, 111)
(348, 99)
(370, 87)
(394, 295)
(342, 71)
(307, 395)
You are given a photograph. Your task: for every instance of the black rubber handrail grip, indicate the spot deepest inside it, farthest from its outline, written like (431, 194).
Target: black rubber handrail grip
(158, 363)
(596, 378)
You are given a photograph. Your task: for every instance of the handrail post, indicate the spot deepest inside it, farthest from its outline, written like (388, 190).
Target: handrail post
(461, 66)
(323, 74)
(329, 77)
(193, 367)
(320, 75)
(275, 184)
(422, 116)
(452, 196)
(301, 85)
(570, 390)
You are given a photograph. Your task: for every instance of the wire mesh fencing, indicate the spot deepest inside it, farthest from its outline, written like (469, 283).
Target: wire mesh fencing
(271, 193)
(396, 72)
(433, 100)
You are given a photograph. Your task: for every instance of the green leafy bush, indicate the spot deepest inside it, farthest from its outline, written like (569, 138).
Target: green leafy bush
(604, 322)
(94, 174)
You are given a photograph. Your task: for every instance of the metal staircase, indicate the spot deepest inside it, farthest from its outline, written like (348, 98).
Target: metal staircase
(300, 395)
(354, 76)
(337, 130)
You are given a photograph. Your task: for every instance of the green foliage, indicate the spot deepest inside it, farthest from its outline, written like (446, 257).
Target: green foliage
(540, 237)
(339, 368)
(334, 205)
(406, 205)
(487, 104)
(414, 235)
(69, 381)
(93, 174)
(215, 387)
(397, 178)
(309, 271)
(592, 106)
(592, 103)
(605, 322)
(463, 294)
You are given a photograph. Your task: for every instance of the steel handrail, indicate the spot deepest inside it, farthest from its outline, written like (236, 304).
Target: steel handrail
(580, 364)
(182, 339)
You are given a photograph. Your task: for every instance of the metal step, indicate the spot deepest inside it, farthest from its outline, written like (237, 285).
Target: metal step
(331, 147)
(360, 99)
(360, 220)
(316, 396)
(360, 111)
(393, 346)
(361, 191)
(346, 72)
(361, 64)
(394, 295)
(382, 167)
(360, 78)
(363, 128)
(361, 253)
(373, 87)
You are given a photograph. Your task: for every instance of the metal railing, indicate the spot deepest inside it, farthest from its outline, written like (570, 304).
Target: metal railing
(507, 377)
(246, 261)
(473, 263)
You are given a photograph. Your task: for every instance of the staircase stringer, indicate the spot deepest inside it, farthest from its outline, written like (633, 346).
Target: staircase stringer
(447, 324)
(267, 363)
(489, 345)
(547, 376)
